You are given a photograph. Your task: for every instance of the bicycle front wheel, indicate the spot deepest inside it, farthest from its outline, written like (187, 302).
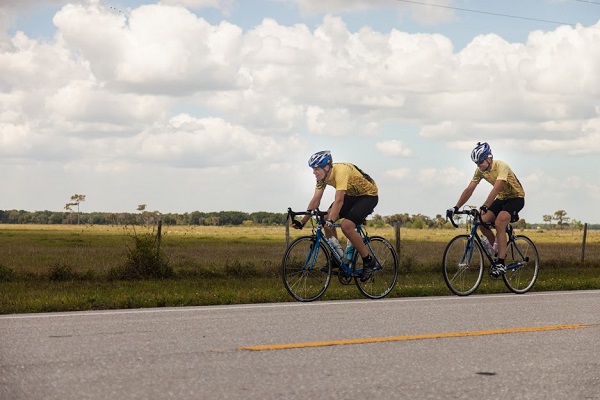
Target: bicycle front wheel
(385, 274)
(522, 264)
(306, 269)
(462, 265)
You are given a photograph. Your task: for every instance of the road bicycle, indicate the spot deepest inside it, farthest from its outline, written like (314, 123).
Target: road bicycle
(463, 261)
(308, 262)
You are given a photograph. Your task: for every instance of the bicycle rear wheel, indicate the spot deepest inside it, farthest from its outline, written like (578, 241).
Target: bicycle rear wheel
(522, 265)
(385, 275)
(306, 269)
(462, 265)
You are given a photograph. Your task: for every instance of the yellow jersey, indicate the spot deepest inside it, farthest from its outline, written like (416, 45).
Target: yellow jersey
(348, 177)
(501, 170)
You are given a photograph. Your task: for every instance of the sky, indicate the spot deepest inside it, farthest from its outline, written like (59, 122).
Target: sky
(216, 105)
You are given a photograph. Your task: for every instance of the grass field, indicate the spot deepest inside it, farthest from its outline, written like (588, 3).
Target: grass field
(57, 267)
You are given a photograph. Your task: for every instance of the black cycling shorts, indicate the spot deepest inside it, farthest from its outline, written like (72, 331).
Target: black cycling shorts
(356, 208)
(512, 206)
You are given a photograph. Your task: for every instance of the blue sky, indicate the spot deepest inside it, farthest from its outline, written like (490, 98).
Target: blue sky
(213, 105)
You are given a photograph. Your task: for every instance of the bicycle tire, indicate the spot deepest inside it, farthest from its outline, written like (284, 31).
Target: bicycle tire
(521, 279)
(462, 265)
(385, 275)
(301, 269)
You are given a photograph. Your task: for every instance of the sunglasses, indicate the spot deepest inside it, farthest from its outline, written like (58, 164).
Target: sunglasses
(482, 161)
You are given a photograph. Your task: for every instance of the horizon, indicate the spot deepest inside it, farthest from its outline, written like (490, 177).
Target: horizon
(370, 217)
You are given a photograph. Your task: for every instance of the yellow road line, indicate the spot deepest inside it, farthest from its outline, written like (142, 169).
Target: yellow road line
(411, 337)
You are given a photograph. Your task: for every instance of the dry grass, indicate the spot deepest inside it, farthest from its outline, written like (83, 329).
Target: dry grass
(32, 249)
(208, 260)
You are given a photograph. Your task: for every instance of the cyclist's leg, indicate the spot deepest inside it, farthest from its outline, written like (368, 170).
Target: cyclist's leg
(490, 216)
(487, 232)
(354, 211)
(501, 223)
(510, 207)
(330, 232)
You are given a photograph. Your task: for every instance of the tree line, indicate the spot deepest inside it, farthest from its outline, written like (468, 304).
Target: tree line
(144, 217)
(233, 218)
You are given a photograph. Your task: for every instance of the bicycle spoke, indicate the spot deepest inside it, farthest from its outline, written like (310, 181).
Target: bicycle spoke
(305, 269)
(522, 265)
(385, 274)
(462, 265)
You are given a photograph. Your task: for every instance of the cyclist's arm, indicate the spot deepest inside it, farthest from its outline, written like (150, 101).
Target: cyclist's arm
(338, 202)
(314, 203)
(494, 192)
(466, 194)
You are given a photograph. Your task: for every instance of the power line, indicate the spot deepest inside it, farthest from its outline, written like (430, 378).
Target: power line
(493, 13)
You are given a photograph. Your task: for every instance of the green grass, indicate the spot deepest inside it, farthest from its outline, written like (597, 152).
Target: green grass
(39, 296)
(45, 296)
(58, 268)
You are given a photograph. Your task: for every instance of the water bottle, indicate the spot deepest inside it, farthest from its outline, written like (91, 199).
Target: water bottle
(495, 246)
(349, 251)
(336, 245)
(487, 246)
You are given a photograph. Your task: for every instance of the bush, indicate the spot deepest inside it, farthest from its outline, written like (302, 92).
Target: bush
(145, 260)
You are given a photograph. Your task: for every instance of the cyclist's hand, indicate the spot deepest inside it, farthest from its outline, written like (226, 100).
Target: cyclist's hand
(450, 212)
(329, 223)
(483, 209)
(297, 224)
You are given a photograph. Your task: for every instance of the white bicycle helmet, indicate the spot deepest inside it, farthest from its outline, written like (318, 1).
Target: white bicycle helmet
(320, 159)
(481, 152)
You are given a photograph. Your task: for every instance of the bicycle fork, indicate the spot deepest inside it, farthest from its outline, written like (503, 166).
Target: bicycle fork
(467, 256)
(311, 257)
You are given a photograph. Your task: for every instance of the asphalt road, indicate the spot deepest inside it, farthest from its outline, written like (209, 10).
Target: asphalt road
(532, 346)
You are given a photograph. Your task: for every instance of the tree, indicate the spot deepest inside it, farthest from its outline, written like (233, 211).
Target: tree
(56, 218)
(76, 199)
(69, 208)
(577, 224)
(400, 219)
(440, 221)
(521, 224)
(561, 218)
(377, 221)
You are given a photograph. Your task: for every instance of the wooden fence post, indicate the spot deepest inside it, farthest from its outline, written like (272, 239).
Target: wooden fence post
(583, 243)
(287, 234)
(397, 231)
(159, 231)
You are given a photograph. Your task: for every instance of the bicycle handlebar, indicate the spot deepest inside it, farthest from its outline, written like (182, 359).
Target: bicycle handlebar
(315, 212)
(473, 212)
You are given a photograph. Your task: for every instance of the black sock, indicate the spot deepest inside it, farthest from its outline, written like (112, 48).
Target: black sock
(500, 261)
(367, 259)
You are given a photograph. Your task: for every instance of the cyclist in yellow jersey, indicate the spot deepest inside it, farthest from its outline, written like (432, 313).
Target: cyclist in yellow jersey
(356, 196)
(503, 203)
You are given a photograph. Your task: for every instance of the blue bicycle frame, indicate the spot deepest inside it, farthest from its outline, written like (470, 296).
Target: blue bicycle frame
(347, 266)
(473, 236)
